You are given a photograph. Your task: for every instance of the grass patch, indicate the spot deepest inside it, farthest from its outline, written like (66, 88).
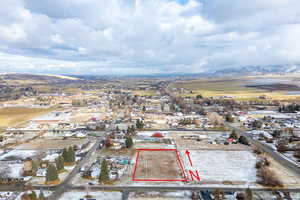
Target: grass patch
(62, 171)
(56, 182)
(15, 116)
(235, 87)
(69, 163)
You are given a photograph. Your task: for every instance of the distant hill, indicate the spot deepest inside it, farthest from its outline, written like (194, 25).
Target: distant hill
(24, 79)
(255, 70)
(14, 85)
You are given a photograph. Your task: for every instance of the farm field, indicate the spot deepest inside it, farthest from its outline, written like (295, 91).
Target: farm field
(217, 166)
(13, 116)
(237, 87)
(158, 165)
(52, 143)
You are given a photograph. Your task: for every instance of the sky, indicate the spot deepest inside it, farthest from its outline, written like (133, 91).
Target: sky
(121, 37)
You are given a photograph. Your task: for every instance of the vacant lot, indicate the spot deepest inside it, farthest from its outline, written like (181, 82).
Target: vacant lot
(158, 165)
(15, 116)
(19, 154)
(52, 144)
(217, 166)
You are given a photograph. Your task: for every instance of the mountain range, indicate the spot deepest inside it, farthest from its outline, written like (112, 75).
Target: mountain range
(254, 70)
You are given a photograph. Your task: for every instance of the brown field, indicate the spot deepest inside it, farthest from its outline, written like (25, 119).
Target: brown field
(15, 116)
(158, 165)
(52, 144)
(120, 152)
(236, 87)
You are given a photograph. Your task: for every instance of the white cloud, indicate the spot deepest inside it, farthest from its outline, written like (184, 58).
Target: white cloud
(153, 36)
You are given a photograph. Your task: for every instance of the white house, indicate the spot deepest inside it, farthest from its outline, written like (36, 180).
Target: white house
(41, 172)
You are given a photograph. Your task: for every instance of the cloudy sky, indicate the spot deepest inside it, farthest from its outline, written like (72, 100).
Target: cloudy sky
(146, 36)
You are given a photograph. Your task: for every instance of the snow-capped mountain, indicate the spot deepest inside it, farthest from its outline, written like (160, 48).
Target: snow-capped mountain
(257, 70)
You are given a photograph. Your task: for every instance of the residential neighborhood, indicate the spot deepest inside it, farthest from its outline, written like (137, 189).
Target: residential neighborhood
(149, 100)
(118, 139)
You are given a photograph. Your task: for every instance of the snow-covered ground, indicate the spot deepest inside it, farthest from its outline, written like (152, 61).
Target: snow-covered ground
(19, 154)
(46, 193)
(11, 170)
(96, 195)
(41, 180)
(217, 165)
(16, 170)
(55, 115)
(161, 195)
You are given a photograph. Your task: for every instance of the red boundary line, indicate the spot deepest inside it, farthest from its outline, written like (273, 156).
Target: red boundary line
(181, 166)
(136, 163)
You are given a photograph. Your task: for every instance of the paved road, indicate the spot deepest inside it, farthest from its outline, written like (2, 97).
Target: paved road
(175, 188)
(274, 154)
(66, 184)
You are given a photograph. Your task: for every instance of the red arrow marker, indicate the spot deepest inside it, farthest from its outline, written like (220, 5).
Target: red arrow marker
(188, 155)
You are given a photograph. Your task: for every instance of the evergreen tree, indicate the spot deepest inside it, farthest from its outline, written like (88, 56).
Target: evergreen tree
(104, 174)
(133, 128)
(257, 124)
(243, 140)
(117, 129)
(229, 117)
(60, 163)
(34, 166)
(129, 142)
(199, 96)
(51, 174)
(129, 130)
(71, 155)
(65, 155)
(139, 124)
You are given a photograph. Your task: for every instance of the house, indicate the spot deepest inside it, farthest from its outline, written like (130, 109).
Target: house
(41, 172)
(5, 195)
(259, 134)
(80, 135)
